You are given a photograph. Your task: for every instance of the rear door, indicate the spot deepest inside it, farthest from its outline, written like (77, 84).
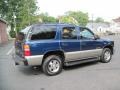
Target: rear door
(69, 42)
(90, 47)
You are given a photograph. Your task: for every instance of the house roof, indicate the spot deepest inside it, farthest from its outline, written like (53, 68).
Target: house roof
(117, 19)
(2, 20)
(97, 25)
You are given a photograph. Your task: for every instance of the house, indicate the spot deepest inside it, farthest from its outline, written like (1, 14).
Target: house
(98, 27)
(115, 25)
(3, 31)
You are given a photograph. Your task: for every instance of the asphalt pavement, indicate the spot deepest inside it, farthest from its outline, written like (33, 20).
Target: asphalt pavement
(89, 76)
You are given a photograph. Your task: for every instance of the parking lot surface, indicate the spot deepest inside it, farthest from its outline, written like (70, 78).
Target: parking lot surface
(89, 76)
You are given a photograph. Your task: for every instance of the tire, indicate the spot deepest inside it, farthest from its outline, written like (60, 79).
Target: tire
(52, 65)
(106, 55)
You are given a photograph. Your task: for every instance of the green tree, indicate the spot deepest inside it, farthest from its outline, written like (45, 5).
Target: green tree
(99, 19)
(82, 18)
(67, 19)
(24, 10)
(46, 18)
(26, 14)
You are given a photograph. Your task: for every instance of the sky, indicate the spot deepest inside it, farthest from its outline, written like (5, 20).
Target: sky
(107, 9)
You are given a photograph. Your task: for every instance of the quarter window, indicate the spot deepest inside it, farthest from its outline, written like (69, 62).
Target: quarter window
(43, 32)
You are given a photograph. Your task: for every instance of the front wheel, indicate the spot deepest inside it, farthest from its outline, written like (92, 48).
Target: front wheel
(52, 65)
(106, 55)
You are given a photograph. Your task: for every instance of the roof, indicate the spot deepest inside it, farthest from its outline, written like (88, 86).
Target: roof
(49, 24)
(117, 19)
(2, 20)
(97, 25)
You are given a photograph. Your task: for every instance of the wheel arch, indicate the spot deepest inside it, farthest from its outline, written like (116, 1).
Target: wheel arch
(57, 52)
(110, 47)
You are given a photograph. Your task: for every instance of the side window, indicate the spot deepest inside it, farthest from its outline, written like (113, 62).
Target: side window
(43, 32)
(69, 33)
(86, 33)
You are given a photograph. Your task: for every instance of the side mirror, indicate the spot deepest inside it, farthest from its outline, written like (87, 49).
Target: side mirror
(96, 37)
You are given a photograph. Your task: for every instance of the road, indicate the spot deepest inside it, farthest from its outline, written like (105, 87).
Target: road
(90, 76)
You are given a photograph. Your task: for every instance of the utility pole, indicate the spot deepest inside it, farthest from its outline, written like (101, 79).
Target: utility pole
(59, 19)
(92, 21)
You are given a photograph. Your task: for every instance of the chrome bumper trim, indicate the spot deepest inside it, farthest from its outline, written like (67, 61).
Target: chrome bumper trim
(34, 60)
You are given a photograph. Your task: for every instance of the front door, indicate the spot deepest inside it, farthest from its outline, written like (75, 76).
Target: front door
(90, 47)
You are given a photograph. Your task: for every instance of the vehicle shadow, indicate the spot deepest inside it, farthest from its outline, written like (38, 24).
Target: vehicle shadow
(30, 70)
(83, 65)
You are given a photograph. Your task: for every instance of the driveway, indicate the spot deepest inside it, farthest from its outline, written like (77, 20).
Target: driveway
(90, 76)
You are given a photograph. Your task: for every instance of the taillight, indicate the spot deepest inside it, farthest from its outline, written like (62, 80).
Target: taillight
(27, 50)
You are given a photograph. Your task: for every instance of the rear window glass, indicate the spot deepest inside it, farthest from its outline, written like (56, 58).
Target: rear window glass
(43, 32)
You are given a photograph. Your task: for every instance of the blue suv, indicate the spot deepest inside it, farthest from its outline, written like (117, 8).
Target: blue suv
(53, 46)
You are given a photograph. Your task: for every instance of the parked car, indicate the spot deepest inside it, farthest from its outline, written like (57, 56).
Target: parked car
(53, 46)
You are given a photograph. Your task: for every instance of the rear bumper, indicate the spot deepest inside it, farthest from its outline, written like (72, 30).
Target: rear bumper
(28, 60)
(34, 60)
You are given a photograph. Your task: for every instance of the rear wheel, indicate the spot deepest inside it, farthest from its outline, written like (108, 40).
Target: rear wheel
(52, 65)
(106, 55)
